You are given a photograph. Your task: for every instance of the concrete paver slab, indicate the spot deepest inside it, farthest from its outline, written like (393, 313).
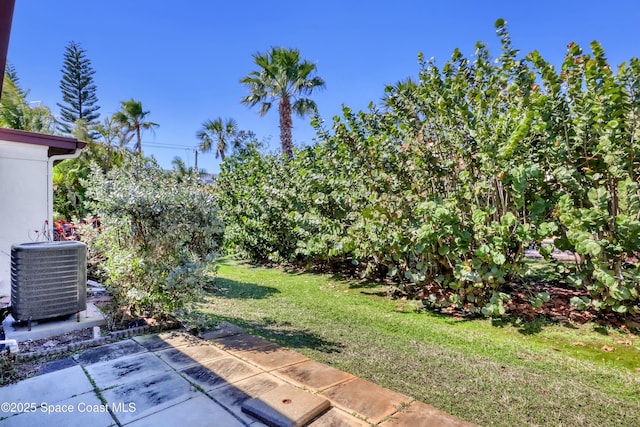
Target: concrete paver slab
(56, 365)
(79, 411)
(109, 352)
(190, 355)
(420, 414)
(335, 417)
(179, 338)
(125, 369)
(199, 411)
(218, 372)
(366, 399)
(152, 342)
(272, 357)
(138, 381)
(286, 406)
(223, 329)
(240, 342)
(313, 375)
(144, 397)
(232, 396)
(50, 388)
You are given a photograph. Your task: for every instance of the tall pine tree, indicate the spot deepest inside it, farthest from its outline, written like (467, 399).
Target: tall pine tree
(78, 90)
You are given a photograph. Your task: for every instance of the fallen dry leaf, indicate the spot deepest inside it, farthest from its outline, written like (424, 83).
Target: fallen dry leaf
(555, 348)
(626, 342)
(637, 369)
(578, 343)
(608, 349)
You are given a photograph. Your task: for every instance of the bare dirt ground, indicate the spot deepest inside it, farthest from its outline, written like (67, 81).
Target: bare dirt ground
(30, 367)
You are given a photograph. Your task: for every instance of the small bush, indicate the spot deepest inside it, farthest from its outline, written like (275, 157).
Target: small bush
(8, 372)
(160, 235)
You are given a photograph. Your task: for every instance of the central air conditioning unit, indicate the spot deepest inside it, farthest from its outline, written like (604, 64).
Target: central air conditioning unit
(48, 280)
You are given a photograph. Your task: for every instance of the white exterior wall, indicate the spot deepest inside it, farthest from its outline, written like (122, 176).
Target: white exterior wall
(24, 200)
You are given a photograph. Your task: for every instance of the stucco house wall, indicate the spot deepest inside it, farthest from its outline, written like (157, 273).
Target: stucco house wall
(26, 190)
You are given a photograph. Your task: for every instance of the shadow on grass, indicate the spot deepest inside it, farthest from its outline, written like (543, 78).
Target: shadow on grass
(284, 334)
(525, 327)
(529, 327)
(230, 260)
(363, 284)
(227, 288)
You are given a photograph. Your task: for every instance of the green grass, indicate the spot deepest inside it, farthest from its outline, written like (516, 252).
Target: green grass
(490, 373)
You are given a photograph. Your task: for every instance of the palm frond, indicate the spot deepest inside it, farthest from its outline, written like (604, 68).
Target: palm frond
(304, 106)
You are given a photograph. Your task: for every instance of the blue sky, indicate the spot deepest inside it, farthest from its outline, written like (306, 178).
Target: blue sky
(183, 60)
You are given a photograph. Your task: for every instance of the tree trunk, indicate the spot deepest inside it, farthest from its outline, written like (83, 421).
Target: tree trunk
(138, 147)
(285, 126)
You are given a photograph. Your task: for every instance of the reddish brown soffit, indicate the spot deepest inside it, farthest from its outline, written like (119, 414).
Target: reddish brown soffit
(6, 16)
(57, 144)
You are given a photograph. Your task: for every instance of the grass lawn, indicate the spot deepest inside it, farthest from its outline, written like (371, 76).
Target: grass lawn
(485, 372)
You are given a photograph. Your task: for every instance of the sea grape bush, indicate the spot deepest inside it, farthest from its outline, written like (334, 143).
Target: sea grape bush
(445, 184)
(255, 196)
(594, 170)
(160, 234)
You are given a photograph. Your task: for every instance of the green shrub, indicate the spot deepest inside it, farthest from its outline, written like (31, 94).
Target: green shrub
(445, 185)
(590, 116)
(254, 193)
(160, 235)
(69, 179)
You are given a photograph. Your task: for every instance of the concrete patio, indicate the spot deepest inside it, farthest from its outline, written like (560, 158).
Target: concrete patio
(225, 378)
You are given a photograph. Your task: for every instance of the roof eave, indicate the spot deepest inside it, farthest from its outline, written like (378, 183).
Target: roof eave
(57, 144)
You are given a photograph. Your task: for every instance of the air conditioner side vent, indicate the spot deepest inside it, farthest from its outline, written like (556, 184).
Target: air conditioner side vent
(48, 279)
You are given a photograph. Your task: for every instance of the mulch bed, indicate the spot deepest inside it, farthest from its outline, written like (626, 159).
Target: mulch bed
(558, 309)
(58, 341)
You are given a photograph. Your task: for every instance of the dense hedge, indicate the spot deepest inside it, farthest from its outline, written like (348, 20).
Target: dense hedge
(456, 174)
(160, 235)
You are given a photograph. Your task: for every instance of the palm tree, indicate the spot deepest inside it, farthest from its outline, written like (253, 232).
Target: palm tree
(282, 77)
(404, 99)
(181, 170)
(132, 118)
(109, 131)
(402, 96)
(217, 135)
